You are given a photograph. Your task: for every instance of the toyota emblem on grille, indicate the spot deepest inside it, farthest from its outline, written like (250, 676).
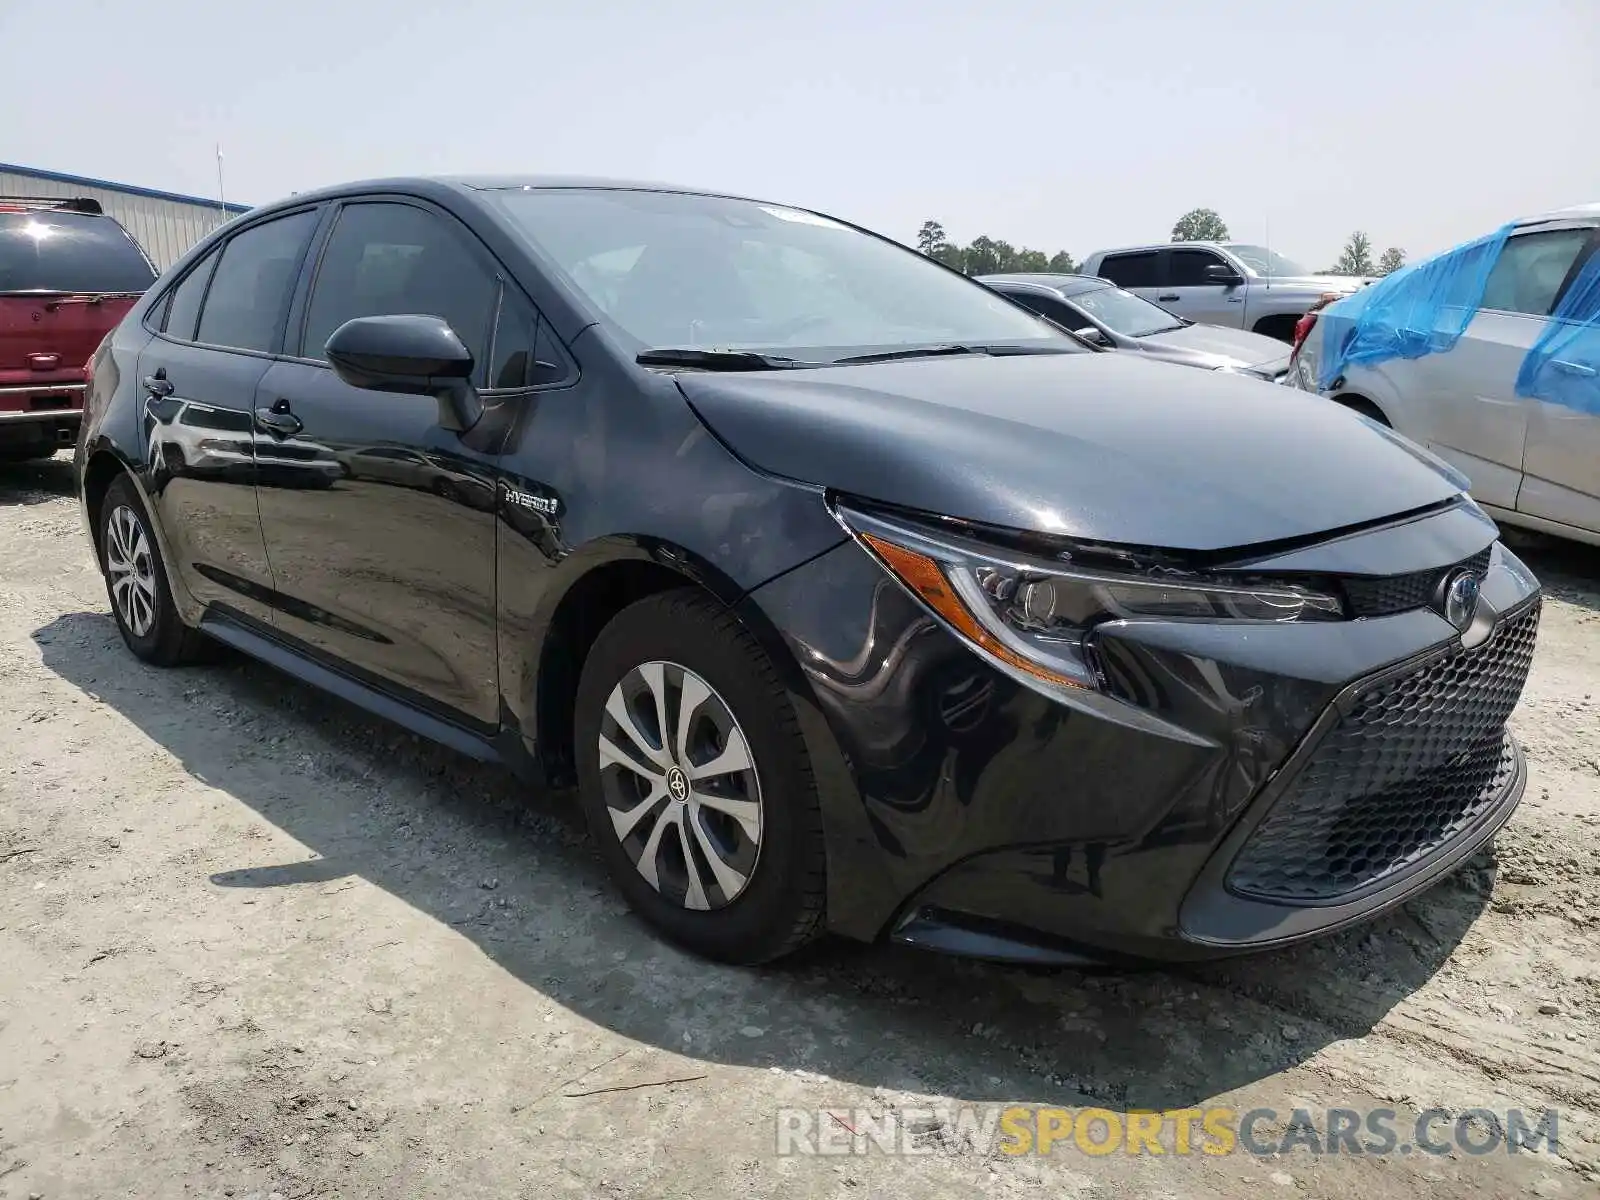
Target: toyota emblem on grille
(1459, 598)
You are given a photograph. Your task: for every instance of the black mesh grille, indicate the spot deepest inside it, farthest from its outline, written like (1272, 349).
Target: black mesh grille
(1415, 760)
(1380, 596)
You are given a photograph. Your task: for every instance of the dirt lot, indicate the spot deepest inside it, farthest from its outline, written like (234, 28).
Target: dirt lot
(256, 944)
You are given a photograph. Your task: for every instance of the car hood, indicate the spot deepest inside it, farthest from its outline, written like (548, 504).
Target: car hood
(1228, 347)
(1104, 447)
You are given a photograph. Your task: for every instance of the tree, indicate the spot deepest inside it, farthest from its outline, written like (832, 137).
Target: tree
(1200, 225)
(931, 238)
(1357, 257)
(985, 255)
(1392, 260)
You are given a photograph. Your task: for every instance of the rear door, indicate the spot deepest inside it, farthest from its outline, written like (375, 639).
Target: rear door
(1463, 404)
(390, 566)
(216, 331)
(66, 279)
(1189, 292)
(1561, 465)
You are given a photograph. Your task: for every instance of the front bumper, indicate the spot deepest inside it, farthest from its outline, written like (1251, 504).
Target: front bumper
(970, 815)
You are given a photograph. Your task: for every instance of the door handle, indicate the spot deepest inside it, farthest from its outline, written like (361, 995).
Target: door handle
(1170, 296)
(279, 420)
(158, 385)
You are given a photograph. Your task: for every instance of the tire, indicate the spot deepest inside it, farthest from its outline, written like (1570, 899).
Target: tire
(1360, 404)
(1280, 326)
(142, 607)
(666, 645)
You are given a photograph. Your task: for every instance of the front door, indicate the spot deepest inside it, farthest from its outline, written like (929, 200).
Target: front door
(199, 374)
(1188, 291)
(379, 522)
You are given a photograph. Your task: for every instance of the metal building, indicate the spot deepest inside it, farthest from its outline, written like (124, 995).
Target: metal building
(164, 223)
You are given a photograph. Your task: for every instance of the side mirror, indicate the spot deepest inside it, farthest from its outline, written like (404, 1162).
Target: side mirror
(1093, 333)
(412, 354)
(1224, 274)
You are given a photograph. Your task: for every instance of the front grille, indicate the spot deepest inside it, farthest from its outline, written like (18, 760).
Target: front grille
(1378, 597)
(1414, 760)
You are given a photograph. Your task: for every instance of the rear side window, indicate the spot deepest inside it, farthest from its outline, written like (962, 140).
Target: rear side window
(250, 290)
(1132, 270)
(183, 307)
(1187, 268)
(384, 259)
(47, 251)
(1530, 271)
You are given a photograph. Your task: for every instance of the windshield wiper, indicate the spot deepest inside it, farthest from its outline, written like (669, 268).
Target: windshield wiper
(945, 349)
(719, 360)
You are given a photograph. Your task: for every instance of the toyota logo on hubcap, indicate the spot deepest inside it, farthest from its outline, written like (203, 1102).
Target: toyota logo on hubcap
(678, 784)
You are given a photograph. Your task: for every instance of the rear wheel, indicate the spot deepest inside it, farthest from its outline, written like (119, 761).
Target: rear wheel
(136, 582)
(695, 781)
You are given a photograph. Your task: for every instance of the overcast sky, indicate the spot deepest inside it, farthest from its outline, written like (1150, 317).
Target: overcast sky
(1055, 125)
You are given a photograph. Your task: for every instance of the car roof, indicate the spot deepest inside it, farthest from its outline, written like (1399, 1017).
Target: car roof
(1576, 212)
(1062, 284)
(426, 184)
(1154, 246)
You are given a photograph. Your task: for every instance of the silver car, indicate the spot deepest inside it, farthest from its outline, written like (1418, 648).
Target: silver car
(1100, 312)
(1531, 463)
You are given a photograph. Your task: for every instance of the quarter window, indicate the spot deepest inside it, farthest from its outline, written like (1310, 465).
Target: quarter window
(1132, 270)
(183, 306)
(525, 352)
(250, 291)
(385, 259)
(1530, 270)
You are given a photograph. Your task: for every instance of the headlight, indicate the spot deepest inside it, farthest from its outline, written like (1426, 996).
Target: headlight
(1033, 618)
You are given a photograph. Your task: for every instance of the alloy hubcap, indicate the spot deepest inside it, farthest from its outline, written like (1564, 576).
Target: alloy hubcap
(680, 785)
(131, 569)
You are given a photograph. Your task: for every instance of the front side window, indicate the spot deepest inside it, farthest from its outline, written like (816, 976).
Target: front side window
(249, 293)
(1187, 268)
(1530, 271)
(44, 251)
(385, 259)
(676, 270)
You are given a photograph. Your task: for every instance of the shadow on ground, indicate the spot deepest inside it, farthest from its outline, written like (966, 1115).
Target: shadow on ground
(373, 801)
(35, 482)
(1569, 571)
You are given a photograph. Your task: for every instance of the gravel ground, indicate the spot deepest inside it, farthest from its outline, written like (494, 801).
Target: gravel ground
(254, 943)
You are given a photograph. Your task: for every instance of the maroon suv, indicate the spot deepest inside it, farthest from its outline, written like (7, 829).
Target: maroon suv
(68, 273)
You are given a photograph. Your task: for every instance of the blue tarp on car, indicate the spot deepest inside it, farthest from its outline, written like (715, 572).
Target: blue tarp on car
(1419, 309)
(1563, 367)
(1425, 308)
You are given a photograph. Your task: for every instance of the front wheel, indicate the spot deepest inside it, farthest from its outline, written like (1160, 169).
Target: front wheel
(136, 582)
(695, 781)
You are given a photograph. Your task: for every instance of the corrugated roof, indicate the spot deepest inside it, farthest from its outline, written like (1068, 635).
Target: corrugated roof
(130, 189)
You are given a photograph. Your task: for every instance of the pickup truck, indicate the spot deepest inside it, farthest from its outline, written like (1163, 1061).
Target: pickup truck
(1222, 283)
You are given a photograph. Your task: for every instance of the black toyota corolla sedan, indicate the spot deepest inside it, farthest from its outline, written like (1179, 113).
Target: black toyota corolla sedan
(849, 595)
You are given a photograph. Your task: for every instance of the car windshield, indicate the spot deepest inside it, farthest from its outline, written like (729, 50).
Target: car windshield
(1123, 312)
(676, 270)
(46, 251)
(1262, 261)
